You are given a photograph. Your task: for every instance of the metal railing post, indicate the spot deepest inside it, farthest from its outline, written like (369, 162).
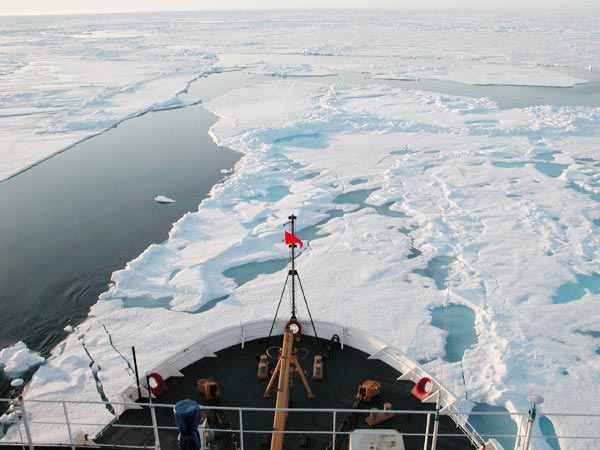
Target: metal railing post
(26, 422)
(436, 426)
(68, 425)
(241, 430)
(154, 427)
(152, 414)
(529, 428)
(518, 437)
(20, 434)
(203, 436)
(527, 435)
(427, 432)
(334, 429)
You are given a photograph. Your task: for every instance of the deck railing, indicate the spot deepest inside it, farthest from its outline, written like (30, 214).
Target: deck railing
(24, 431)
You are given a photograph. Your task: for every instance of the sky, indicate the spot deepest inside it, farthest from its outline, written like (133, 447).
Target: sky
(10, 7)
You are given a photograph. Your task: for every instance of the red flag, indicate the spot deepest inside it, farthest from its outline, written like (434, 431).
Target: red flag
(290, 239)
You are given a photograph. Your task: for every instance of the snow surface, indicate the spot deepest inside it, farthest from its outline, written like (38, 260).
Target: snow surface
(474, 73)
(65, 79)
(18, 359)
(510, 195)
(301, 70)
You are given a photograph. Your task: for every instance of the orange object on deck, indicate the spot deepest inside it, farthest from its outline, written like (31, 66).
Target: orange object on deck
(376, 418)
(263, 367)
(286, 365)
(318, 368)
(210, 388)
(367, 390)
(283, 390)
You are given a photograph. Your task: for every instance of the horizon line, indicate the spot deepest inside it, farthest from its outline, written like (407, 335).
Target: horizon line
(312, 8)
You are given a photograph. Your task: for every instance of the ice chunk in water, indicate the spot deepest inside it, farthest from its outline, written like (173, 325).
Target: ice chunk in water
(18, 359)
(163, 199)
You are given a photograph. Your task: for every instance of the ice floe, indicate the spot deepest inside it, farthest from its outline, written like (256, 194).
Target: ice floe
(474, 73)
(18, 359)
(301, 70)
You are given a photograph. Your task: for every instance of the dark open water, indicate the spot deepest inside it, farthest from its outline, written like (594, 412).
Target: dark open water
(71, 221)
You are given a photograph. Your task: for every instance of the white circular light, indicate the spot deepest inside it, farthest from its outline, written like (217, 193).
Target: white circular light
(535, 399)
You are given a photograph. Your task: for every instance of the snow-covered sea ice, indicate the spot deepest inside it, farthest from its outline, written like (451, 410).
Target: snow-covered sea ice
(400, 193)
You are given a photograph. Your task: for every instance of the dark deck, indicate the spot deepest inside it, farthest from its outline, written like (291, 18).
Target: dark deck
(235, 370)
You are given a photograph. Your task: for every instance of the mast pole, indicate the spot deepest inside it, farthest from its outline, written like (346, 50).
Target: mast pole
(283, 390)
(293, 271)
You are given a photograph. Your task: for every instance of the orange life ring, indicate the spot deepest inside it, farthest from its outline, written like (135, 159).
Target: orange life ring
(156, 384)
(423, 388)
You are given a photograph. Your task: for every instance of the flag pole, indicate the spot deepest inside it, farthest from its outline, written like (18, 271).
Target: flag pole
(294, 274)
(293, 269)
(291, 240)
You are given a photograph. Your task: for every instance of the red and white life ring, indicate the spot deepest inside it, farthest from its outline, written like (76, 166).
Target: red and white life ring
(295, 327)
(423, 388)
(156, 384)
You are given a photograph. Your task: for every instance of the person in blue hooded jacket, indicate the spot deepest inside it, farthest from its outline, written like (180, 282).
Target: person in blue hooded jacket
(187, 418)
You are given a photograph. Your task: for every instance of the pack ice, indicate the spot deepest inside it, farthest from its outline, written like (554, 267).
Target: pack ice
(386, 182)
(71, 77)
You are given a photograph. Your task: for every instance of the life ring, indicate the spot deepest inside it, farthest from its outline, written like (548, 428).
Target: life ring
(156, 384)
(294, 326)
(423, 388)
